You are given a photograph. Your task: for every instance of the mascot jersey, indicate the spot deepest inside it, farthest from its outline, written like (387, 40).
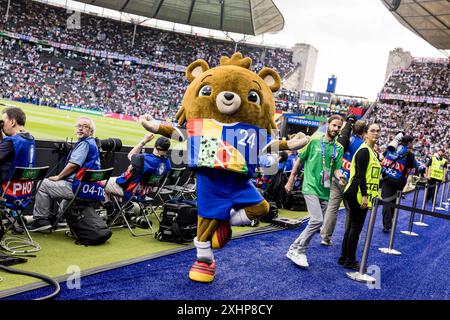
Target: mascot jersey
(225, 157)
(234, 147)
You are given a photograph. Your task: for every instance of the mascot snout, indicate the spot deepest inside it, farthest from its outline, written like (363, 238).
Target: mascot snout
(228, 102)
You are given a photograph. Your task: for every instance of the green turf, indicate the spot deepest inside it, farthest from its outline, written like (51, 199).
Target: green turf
(53, 124)
(59, 252)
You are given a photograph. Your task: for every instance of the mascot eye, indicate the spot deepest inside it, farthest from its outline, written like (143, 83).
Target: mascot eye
(205, 91)
(253, 96)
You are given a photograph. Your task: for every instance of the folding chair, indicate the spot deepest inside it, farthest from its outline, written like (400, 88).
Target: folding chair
(143, 194)
(188, 188)
(171, 184)
(91, 189)
(18, 193)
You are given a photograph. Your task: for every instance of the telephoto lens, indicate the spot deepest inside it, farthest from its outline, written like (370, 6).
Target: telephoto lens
(109, 145)
(395, 142)
(142, 222)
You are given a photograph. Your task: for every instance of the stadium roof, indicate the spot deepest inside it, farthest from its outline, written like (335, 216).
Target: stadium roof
(251, 17)
(429, 19)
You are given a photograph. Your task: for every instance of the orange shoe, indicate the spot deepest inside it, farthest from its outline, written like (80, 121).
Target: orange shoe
(222, 235)
(202, 271)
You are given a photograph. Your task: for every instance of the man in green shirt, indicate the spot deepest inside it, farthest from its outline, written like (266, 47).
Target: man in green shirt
(322, 158)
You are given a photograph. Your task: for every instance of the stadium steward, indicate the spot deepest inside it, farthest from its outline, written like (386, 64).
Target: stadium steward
(436, 171)
(365, 172)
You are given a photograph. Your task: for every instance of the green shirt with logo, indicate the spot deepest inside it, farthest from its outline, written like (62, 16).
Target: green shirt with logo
(311, 157)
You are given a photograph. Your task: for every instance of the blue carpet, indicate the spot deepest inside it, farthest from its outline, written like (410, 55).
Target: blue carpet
(256, 268)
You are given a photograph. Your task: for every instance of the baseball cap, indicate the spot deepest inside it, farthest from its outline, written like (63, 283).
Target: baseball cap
(162, 144)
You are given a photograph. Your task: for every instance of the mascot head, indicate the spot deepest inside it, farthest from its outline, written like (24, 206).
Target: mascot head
(230, 93)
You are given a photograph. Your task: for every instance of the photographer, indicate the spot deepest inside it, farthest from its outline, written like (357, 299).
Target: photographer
(396, 166)
(436, 171)
(351, 138)
(17, 149)
(84, 155)
(142, 164)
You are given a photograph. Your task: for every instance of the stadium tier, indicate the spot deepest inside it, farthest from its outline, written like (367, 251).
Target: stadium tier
(41, 72)
(50, 23)
(416, 99)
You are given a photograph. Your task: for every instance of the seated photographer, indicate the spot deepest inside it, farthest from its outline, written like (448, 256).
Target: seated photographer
(142, 164)
(17, 149)
(83, 156)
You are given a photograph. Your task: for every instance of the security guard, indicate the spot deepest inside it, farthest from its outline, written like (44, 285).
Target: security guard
(359, 193)
(436, 171)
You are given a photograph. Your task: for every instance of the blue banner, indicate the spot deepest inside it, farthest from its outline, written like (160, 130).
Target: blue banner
(331, 86)
(64, 107)
(303, 122)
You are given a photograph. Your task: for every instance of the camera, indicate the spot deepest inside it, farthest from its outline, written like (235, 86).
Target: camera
(109, 145)
(351, 118)
(395, 142)
(346, 132)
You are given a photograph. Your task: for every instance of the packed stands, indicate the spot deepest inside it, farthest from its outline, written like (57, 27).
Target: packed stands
(416, 100)
(49, 23)
(429, 126)
(33, 75)
(421, 78)
(48, 75)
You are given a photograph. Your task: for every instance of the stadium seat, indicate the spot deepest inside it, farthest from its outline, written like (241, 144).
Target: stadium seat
(99, 177)
(144, 194)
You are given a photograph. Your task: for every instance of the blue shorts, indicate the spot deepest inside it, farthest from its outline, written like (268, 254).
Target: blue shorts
(219, 190)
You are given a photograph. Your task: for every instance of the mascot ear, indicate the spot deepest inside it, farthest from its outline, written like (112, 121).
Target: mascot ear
(195, 69)
(271, 78)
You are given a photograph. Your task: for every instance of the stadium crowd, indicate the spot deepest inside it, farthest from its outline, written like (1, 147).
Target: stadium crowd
(50, 23)
(429, 126)
(429, 79)
(32, 74)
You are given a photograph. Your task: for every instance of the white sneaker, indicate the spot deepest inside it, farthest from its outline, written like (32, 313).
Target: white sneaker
(290, 254)
(298, 258)
(326, 243)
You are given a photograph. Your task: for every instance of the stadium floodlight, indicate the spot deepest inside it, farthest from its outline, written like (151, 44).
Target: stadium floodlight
(250, 17)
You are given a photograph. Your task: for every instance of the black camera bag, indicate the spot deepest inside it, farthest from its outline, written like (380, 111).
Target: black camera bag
(86, 225)
(179, 221)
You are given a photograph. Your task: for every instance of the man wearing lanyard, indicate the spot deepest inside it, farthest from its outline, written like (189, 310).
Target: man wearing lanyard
(322, 158)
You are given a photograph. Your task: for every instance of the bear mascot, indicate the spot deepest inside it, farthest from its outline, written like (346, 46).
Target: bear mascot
(227, 118)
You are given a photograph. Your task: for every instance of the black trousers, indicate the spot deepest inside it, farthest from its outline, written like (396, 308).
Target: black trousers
(432, 188)
(353, 227)
(389, 188)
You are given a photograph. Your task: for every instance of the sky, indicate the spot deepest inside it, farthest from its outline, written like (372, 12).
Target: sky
(353, 38)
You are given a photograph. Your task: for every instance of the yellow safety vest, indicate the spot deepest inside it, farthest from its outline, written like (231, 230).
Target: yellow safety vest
(372, 176)
(437, 169)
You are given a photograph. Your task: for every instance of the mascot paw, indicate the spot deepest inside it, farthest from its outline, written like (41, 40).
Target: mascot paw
(222, 235)
(202, 271)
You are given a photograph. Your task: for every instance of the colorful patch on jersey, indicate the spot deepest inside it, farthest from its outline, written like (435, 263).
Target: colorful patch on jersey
(233, 147)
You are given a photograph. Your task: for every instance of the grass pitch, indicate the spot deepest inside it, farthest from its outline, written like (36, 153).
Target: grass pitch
(46, 123)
